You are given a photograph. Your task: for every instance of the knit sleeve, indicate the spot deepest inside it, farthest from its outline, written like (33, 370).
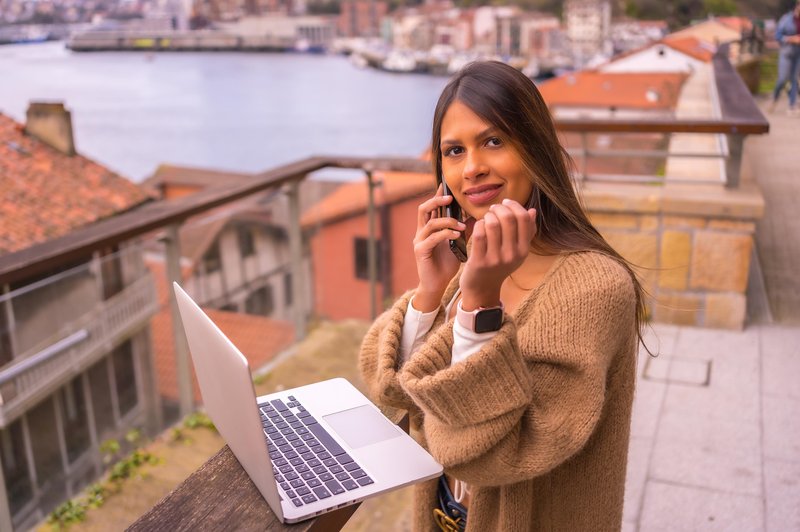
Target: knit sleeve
(530, 398)
(379, 357)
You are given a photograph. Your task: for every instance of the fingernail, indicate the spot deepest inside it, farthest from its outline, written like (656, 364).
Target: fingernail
(456, 233)
(506, 201)
(462, 225)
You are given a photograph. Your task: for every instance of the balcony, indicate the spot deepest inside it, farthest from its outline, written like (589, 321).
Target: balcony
(656, 220)
(53, 361)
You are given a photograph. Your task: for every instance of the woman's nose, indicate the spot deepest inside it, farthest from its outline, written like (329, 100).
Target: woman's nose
(474, 165)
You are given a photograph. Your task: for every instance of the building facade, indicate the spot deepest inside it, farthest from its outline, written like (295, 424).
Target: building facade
(75, 359)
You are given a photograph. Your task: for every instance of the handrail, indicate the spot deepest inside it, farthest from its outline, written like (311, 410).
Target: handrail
(32, 361)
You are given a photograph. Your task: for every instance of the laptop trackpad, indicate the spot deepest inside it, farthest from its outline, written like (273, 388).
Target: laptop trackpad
(362, 426)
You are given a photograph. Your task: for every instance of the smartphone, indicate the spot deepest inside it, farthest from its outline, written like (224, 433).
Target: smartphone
(453, 210)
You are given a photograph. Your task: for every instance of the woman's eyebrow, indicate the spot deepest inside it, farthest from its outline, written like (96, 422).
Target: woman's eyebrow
(486, 132)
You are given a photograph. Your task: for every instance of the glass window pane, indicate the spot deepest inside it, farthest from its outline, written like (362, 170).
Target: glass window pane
(101, 399)
(46, 453)
(15, 467)
(125, 377)
(76, 423)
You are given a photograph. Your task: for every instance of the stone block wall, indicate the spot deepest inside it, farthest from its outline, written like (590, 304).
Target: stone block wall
(691, 245)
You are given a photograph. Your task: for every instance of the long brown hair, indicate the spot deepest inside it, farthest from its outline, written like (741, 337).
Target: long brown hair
(507, 99)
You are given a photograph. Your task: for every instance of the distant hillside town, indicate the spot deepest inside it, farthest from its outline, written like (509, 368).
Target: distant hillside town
(436, 36)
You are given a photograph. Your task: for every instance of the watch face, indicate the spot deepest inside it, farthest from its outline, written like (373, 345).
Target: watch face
(489, 319)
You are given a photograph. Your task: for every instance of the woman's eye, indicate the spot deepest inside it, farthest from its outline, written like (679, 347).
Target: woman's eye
(455, 150)
(494, 141)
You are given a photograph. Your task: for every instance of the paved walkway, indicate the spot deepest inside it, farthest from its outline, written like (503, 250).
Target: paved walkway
(774, 162)
(716, 429)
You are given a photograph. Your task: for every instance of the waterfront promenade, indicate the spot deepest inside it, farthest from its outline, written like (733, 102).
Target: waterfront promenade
(715, 435)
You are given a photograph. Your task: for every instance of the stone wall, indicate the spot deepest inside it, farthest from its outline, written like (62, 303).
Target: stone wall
(692, 245)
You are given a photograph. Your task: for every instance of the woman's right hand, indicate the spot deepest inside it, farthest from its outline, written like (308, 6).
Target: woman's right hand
(436, 264)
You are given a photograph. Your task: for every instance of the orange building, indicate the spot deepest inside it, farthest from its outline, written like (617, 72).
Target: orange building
(338, 235)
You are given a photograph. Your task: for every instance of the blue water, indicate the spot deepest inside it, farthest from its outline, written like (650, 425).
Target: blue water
(235, 111)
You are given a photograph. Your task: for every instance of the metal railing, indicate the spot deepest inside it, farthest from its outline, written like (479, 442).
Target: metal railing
(56, 359)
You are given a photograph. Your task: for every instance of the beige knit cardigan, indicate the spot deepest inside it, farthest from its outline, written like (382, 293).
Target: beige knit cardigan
(537, 422)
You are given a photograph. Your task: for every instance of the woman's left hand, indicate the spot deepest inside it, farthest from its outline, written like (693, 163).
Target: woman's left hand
(500, 243)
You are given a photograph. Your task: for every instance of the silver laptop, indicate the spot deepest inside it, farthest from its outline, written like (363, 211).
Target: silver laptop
(308, 450)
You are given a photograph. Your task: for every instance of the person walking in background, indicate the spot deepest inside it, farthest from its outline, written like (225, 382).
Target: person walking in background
(787, 33)
(516, 356)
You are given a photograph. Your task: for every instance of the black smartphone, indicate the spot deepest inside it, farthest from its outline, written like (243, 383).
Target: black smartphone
(453, 210)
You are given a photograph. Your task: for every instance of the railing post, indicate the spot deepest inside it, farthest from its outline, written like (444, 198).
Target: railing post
(185, 391)
(733, 164)
(5, 510)
(296, 260)
(372, 258)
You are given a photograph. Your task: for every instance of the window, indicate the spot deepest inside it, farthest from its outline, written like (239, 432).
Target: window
(246, 241)
(6, 355)
(361, 256)
(212, 262)
(260, 302)
(44, 437)
(76, 424)
(100, 389)
(288, 295)
(125, 377)
(15, 467)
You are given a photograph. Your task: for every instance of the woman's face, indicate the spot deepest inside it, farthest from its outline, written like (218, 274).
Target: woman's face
(480, 165)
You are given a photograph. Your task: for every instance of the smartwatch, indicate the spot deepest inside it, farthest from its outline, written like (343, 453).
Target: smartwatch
(482, 319)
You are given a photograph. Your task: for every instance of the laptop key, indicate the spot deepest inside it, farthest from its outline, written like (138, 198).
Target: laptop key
(312, 442)
(307, 436)
(292, 398)
(329, 462)
(334, 486)
(322, 435)
(278, 404)
(303, 490)
(303, 449)
(301, 408)
(287, 431)
(297, 483)
(336, 469)
(322, 492)
(314, 463)
(308, 475)
(295, 461)
(349, 484)
(275, 454)
(313, 483)
(285, 469)
(309, 420)
(285, 486)
(324, 477)
(358, 473)
(344, 458)
(298, 443)
(307, 456)
(290, 494)
(285, 448)
(279, 479)
(324, 455)
(317, 448)
(300, 429)
(291, 476)
(297, 502)
(320, 469)
(302, 468)
(308, 499)
(365, 481)
(282, 425)
(352, 466)
(303, 413)
(290, 455)
(342, 476)
(292, 437)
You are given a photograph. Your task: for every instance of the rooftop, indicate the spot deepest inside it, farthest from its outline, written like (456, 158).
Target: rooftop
(47, 194)
(643, 91)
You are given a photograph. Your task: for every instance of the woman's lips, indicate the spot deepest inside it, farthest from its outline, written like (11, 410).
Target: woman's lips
(483, 194)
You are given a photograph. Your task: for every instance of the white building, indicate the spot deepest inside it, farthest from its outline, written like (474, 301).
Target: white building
(588, 26)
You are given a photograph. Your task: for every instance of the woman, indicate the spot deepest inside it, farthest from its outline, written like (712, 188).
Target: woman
(518, 367)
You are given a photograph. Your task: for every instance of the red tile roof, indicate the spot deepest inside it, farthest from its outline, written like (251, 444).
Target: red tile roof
(691, 46)
(351, 199)
(622, 90)
(46, 194)
(259, 339)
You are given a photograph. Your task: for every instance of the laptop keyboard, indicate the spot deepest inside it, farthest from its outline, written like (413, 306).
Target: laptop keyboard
(308, 463)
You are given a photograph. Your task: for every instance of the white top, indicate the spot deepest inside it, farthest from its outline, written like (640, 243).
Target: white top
(416, 324)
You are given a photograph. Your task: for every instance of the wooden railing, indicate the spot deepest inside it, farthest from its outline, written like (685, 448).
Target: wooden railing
(64, 354)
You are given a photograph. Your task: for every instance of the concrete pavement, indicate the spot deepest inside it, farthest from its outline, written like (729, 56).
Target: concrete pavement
(716, 426)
